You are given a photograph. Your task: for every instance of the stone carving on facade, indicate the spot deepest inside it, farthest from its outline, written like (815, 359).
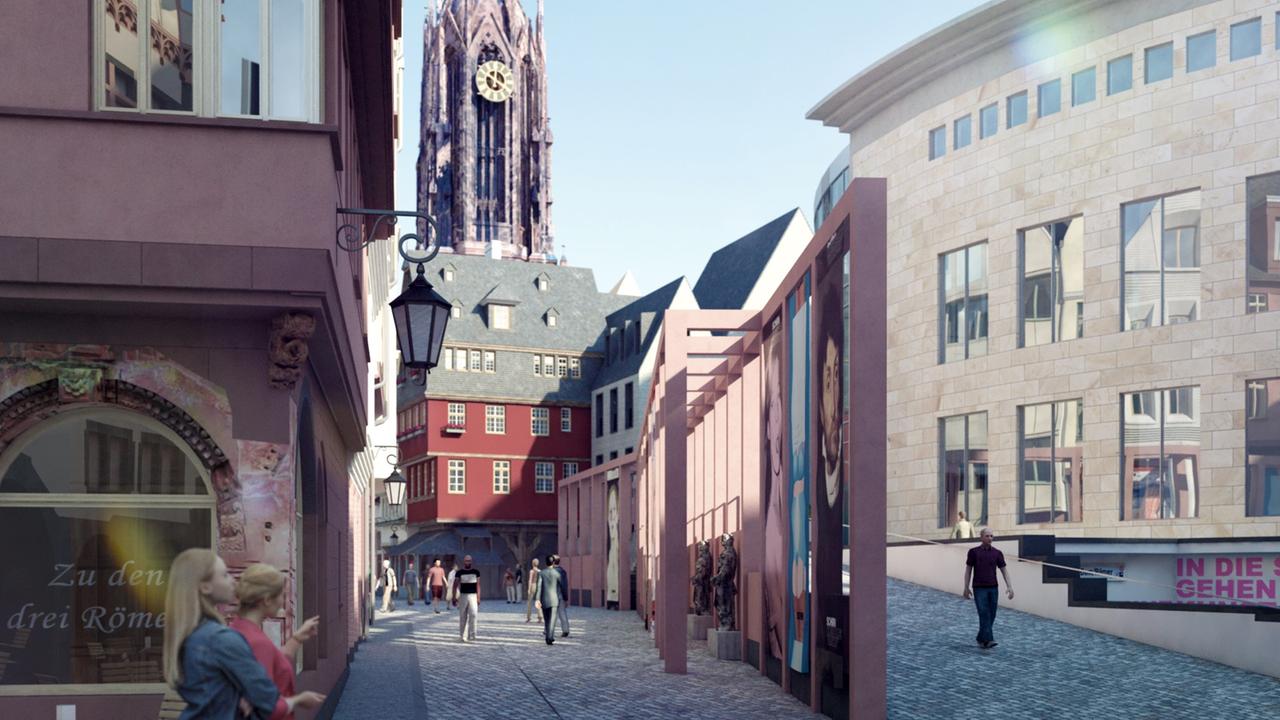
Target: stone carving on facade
(287, 349)
(77, 384)
(725, 581)
(701, 579)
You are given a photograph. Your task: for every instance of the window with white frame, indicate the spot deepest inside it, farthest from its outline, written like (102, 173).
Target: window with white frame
(237, 58)
(541, 421)
(544, 477)
(575, 368)
(549, 365)
(566, 419)
(475, 361)
(457, 414)
(457, 477)
(570, 469)
(500, 317)
(448, 358)
(495, 419)
(460, 362)
(562, 366)
(490, 361)
(502, 476)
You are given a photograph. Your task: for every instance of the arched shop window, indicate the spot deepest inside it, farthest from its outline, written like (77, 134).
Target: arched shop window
(94, 505)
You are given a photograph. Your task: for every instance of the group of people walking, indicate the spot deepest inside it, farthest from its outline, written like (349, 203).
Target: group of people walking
(547, 590)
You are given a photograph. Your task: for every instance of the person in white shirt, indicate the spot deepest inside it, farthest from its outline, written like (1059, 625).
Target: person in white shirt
(963, 529)
(389, 586)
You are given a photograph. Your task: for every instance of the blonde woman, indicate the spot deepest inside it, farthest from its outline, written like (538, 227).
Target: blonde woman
(208, 663)
(261, 595)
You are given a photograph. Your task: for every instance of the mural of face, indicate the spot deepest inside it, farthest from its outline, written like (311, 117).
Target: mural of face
(774, 419)
(831, 420)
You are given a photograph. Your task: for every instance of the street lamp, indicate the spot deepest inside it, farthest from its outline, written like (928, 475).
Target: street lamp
(420, 313)
(394, 485)
(395, 539)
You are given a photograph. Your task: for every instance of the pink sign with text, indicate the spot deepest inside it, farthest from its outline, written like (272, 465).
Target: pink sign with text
(1228, 579)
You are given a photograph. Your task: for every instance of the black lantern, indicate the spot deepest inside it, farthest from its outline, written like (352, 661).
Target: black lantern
(394, 485)
(395, 539)
(421, 315)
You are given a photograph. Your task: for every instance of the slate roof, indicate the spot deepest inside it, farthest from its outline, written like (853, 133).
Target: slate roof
(647, 311)
(581, 311)
(732, 271)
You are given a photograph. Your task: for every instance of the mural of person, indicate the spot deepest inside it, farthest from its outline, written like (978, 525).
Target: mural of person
(775, 512)
(611, 569)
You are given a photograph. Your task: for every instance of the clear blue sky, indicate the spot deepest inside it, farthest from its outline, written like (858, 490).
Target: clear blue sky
(679, 125)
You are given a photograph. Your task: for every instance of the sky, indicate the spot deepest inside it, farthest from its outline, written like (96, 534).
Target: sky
(679, 124)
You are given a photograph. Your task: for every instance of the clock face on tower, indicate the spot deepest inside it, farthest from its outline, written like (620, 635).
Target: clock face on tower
(494, 81)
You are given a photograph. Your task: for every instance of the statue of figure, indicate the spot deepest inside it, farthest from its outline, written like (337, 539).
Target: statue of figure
(701, 579)
(726, 581)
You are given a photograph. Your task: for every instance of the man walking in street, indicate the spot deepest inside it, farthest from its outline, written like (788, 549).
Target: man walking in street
(562, 587)
(389, 587)
(435, 583)
(963, 529)
(466, 588)
(533, 583)
(980, 567)
(411, 583)
(547, 591)
(450, 596)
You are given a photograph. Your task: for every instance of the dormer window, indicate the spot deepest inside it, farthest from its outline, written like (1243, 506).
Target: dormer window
(499, 317)
(544, 282)
(553, 317)
(456, 310)
(448, 272)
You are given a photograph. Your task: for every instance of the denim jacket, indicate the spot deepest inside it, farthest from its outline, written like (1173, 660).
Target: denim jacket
(218, 669)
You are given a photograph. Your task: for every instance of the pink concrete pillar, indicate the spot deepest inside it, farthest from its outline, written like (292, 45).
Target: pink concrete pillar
(867, 458)
(673, 593)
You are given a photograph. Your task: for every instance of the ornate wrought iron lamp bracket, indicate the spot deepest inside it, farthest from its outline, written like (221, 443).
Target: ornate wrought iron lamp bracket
(413, 248)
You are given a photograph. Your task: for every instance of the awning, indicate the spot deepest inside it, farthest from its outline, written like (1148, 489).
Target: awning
(473, 532)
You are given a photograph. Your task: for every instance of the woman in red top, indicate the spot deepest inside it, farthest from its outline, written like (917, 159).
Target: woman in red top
(261, 595)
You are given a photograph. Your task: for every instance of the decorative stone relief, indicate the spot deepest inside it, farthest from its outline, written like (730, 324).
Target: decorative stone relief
(287, 349)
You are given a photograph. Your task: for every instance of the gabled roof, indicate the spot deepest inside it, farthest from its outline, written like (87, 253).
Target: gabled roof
(647, 311)
(500, 295)
(626, 285)
(732, 271)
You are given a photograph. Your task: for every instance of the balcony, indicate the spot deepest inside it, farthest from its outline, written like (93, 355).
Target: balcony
(454, 428)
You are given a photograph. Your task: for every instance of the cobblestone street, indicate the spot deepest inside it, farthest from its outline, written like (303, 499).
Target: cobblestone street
(414, 666)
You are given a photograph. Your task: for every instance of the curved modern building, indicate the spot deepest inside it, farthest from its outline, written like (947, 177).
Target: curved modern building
(1083, 268)
(832, 186)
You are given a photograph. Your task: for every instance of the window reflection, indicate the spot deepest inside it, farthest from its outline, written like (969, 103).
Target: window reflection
(1052, 461)
(288, 59)
(1262, 447)
(1161, 431)
(1053, 282)
(121, 50)
(963, 308)
(964, 468)
(240, 45)
(172, 30)
(1262, 213)
(1161, 260)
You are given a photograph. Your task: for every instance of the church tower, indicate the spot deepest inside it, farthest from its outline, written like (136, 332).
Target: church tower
(484, 160)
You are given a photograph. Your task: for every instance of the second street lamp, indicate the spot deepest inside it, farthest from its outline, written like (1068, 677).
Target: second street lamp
(394, 485)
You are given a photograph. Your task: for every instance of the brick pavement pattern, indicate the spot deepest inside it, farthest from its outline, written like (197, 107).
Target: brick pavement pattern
(413, 665)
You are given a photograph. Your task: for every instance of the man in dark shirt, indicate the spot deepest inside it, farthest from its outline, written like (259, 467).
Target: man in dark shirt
(466, 588)
(980, 568)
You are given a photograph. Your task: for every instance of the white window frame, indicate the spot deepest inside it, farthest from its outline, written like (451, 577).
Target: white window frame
(501, 477)
(475, 365)
(566, 419)
(490, 361)
(539, 477)
(1255, 401)
(460, 476)
(448, 358)
(206, 74)
(575, 368)
(537, 365)
(495, 419)
(562, 366)
(457, 414)
(540, 418)
(569, 469)
(548, 366)
(499, 317)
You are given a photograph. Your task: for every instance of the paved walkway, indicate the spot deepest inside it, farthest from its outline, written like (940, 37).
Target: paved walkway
(414, 667)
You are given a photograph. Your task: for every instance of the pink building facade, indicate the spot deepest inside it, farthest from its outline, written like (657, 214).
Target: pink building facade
(766, 427)
(182, 351)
